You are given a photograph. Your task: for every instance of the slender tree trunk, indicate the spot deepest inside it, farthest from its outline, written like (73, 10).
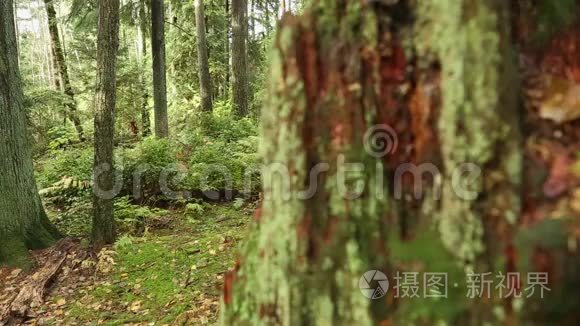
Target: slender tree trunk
(228, 56)
(317, 234)
(159, 71)
(23, 221)
(145, 116)
(266, 8)
(107, 47)
(202, 58)
(61, 67)
(239, 57)
(252, 24)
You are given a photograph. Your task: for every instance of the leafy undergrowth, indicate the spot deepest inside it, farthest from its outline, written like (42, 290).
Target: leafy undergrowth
(170, 276)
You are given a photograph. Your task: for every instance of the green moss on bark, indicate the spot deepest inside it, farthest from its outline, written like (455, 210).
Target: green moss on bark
(478, 122)
(306, 256)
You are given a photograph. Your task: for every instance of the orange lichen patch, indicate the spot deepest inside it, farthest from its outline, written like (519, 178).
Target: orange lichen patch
(423, 106)
(330, 230)
(307, 61)
(303, 228)
(229, 280)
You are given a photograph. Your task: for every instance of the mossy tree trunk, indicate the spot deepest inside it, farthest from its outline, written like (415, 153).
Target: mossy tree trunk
(323, 220)
(202, 58)
(107, 46)
(61, 67)
(479, 125)
(239, 57)
(159, 69)
(479, 121)
(23, 221)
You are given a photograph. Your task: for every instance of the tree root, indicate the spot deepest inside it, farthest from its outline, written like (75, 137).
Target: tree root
(33, 291)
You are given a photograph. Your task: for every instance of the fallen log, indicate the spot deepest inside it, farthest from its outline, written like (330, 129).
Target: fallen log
(32, 293)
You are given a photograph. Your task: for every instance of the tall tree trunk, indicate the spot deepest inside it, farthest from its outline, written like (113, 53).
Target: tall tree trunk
(252, 17)
(202, 58)
(159, 71)
(23, 221)
(228, 56)
(61, 67)
(239, 57)
(107, 47)
(267, 18)
(145, 117)
(316, 237)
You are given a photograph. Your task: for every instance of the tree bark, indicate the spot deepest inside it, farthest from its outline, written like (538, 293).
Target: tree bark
(61, 67)
(202, 58)
(107, 46)
(227, 40)
(159, 69)
(317, 234)
(239, 57)
(479, 124)
(145, 116)
(23, 221)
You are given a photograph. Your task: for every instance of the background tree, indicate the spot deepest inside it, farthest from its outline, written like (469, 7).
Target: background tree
(203, 61)
(143, 32)
(239, 57)
(105, 98)
(61, 67)
(23, 221)
(159, 71)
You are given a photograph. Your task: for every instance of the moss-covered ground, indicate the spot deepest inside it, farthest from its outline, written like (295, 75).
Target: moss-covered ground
(168, 276)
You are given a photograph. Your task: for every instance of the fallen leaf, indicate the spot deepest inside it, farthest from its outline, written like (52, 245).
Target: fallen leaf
(135, 306)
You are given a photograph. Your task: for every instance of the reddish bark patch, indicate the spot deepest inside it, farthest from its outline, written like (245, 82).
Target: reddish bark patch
(229, 280)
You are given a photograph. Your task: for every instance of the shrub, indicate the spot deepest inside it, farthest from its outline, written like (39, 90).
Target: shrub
(72, 163)
(147, 161)
(131, 219)
(220, 165)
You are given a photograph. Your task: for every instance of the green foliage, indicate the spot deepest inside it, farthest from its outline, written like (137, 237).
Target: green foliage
(75, 219)
(222, 165)
(74, 162)
(132, 218)
(124, 242)
(238, 203)
(147, 160)
(194, 209)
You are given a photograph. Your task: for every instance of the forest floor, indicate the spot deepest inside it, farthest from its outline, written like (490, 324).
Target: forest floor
(172, 275)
